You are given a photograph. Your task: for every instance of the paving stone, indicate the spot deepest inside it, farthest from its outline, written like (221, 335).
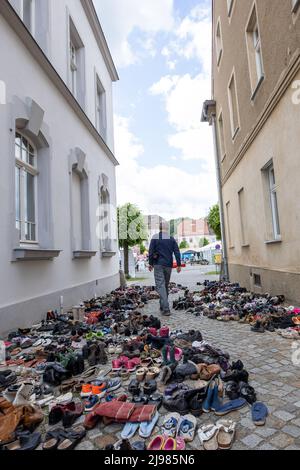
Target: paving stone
(252, 440)
(292, 430)
(85, 445)
(266, 432)
(266, 446)
(284, 415)
(281, 440)
(293, 447)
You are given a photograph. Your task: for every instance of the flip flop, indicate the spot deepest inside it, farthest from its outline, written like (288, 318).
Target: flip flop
(259, 414)
(129, 430)
(187, 427)
(170, 424)
(147, 427)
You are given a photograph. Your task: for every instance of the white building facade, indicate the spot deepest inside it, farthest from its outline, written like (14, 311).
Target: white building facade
(58, 231)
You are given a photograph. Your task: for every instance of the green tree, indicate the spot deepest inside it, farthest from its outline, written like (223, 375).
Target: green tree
(132, 230)
(214, 220)
(142, 248)
(183, 245)
(203, 242)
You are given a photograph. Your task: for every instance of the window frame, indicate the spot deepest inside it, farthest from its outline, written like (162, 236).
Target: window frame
(26, 168)
(254, 52)
(295, 5)
(235, 131)
(100, 108)
(230, 4)
(274, 202)
(219, 42)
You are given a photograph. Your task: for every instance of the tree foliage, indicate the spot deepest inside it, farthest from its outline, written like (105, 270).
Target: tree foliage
(214, 220)
(183, 245)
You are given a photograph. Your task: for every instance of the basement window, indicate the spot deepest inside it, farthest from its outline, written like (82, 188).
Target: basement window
(257, 280)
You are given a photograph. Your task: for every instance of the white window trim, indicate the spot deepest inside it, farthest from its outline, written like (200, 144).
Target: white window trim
(230, 4)
(295, 5)
(219, 53)
(255, 80)
(32, 170)
(101, 123)
(234, 132)
(274, 209)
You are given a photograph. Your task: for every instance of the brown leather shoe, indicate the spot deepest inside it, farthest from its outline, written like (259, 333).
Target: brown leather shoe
(32, 417)
(10, 418)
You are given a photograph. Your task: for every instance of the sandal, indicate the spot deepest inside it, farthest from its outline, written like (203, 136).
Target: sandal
(226, 434)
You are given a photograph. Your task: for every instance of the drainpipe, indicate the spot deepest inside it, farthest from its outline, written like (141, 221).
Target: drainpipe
(209, 115)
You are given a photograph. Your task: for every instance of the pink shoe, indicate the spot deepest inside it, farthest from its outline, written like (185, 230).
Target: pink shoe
(131, 365)
(152, 331)
(170, 444)
(180, 443)
(156, 443)
(116, 365)
(136, 361)
(164, 332)
(178, 354)
(124, 360)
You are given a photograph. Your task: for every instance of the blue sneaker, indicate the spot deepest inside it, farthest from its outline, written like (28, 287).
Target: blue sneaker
(206, 405)
(91, 403)
(230, 406)
(215, 403)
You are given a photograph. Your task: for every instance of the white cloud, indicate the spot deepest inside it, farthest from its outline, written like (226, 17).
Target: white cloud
(192, 38)
(120, 18)
(163, 189)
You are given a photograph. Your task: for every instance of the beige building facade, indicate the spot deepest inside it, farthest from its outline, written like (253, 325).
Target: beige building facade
(255, 113)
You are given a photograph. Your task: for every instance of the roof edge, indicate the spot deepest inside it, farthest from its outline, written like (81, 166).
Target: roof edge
(94, 21)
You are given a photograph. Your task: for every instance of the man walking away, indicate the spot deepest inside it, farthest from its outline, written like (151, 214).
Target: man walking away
(162, 248)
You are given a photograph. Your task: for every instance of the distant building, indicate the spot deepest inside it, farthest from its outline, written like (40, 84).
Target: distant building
(153, 223)
(194, 231)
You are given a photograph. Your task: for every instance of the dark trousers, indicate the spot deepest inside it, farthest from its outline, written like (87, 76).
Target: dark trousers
(162, 276)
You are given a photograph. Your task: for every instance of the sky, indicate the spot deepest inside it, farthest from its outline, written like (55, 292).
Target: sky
(162, 50)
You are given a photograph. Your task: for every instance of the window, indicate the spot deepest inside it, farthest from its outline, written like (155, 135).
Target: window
(233, 107)
(257, 280)
(273, 202)
(219, 44)
(254, 52)
(228, 218)
(100, 108)
(295, 5)
(73, 67)
(28, 14)
(242, 210)
(25, 188)
(221, 136)
(229, 6)
(76, 65)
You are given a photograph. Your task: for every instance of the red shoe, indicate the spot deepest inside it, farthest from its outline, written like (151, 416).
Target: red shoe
(152, 331)
(116, 365)
(164, 332)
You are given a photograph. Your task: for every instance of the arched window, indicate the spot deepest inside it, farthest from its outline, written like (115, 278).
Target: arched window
(26, 188)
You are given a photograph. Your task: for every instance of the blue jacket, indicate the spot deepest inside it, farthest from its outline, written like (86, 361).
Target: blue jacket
(162, 248)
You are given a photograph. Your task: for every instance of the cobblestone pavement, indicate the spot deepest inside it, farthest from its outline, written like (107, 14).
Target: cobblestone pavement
(268, 359)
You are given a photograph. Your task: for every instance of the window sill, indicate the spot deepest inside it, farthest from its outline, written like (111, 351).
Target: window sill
(223, 158)
(272, 242)
(35, 254)
(84, 254)
(246, 245)
(108, 254)
(257, 87)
